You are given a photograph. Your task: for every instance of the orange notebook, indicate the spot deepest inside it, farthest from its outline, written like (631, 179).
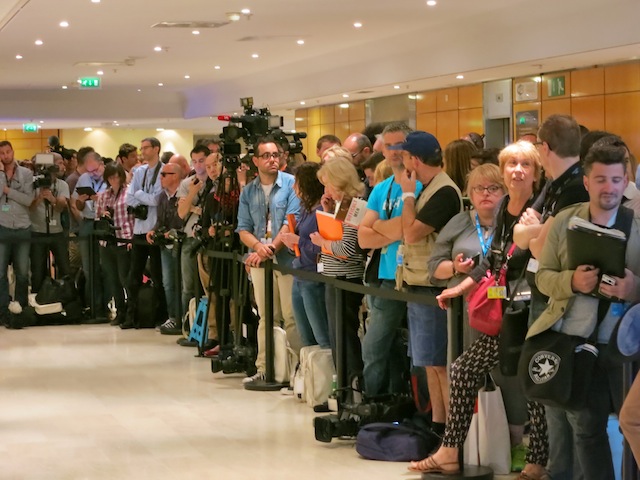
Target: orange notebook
(291, 219)
(329, 228)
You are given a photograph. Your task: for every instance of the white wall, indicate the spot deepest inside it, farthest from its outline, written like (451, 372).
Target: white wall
(106, 141)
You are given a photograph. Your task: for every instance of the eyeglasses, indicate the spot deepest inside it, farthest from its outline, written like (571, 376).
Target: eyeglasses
(354, 155)
(269, 155)
(164, 174)
(491, 189)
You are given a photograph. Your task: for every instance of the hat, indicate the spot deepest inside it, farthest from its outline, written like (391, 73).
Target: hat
(420, 144)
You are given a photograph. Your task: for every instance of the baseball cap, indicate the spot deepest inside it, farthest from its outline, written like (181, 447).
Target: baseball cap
(420, 144)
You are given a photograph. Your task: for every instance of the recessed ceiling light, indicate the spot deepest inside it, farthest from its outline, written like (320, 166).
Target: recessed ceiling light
(18, 57)
(139, 89)
(255, 55)
(64, 87)
(344, 105)
(100, 72)
(115, 121)
(41, 121)
(300, 42)
(345, 95)
(537, 79)
(95, 1)
(116, 124)
(157, 49)
(357, 24)
(234, 16)
(245, 11)
(159, 129)
(459, 77)
(161, 84)
(432, 3)
(39, 42)
(88, 129)
(217, 67)
(64, 24)
(196, 32)
(187, 77)
(302, 103)
(396, 87)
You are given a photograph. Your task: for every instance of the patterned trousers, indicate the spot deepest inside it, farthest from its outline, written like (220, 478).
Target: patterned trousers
(467, 374)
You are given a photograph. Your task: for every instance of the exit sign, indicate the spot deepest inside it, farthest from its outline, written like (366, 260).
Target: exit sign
(29, 127)
(88, 83)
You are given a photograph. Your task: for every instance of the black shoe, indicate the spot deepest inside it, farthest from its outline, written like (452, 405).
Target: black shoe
(96, 320)
(185, 342)
(127, 324)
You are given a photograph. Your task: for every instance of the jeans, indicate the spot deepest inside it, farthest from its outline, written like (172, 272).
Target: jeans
(563, 458)
(43, 243)
(115, 264)
(189, 268)
(14, 249)
(352, 361)
(94, 294)
(139, 253)
(382, 350)
(169, 281)
(310, 312)
(590, 428)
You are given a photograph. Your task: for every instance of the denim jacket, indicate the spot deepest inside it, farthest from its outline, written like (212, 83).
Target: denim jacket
(252, 211)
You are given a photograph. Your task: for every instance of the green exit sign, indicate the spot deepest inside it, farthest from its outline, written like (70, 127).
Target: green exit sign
(29, 127)
(88, 83)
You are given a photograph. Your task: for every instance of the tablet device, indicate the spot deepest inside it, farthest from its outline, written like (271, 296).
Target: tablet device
(85, 191)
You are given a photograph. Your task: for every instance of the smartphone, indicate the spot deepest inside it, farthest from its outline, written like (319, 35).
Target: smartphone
(476, 259)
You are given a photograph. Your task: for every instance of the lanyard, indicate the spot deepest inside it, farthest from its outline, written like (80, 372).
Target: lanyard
(388, 207)
(97, 185)
(484, 244)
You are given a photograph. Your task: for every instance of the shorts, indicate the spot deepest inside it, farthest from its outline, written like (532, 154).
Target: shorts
(427, 332)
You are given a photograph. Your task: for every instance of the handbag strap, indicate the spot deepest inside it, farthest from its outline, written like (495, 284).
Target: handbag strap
(517, 284)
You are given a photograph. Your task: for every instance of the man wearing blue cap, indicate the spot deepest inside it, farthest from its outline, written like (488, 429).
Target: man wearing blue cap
(422, 218)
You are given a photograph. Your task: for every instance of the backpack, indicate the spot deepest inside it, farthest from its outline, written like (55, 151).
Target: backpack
(148, 307)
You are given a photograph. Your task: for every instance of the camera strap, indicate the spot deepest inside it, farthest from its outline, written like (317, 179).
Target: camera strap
(153, 178)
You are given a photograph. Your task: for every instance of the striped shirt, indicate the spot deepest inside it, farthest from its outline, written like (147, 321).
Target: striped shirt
(352, 263)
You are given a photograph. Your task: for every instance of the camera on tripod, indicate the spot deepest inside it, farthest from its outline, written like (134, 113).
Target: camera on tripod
(141, 212)
(44, 170)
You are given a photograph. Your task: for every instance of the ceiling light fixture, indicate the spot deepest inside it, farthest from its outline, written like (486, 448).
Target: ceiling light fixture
(18, 57)
(432, 3)
(245, 11)
(300, 42)
(357, 24)
(64, 24)
(459, 77)
(344, 105)
(100, 72)
(234, 16)
(345, 95)
(95, 1)
(161, 84)
(302, 103)
(39, 42)
(216, 67)
(159, 129)
(396, 87)
(157, 49)
(187, 77)
(88, 129)
(255, 55)
(64, 87)
(41, 121)
(537, 79)
(196, 32)
(139, 89)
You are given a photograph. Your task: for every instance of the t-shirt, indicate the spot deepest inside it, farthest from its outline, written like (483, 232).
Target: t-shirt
(38, 216)
(441, 207)
(386, 201)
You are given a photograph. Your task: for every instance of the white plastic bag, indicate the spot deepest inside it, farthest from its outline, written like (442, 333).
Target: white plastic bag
(494, 445)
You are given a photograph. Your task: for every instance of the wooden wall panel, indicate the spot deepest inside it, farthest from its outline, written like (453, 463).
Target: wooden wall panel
(589, 81)
(561, 106)
(622, 78)
(341, 115)
(327, 114)
(356, 125)
(426, 102)
(427, 122)
(313, 134)
(589, 111)
(357, 111)
(447, 99)
(470, 120)
(447, 127)
(301, 118)
(313, 116)
(342, 130)
(622, 118)
(470, 96)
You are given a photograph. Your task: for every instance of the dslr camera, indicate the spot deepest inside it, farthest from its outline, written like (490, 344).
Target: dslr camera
(140, 212)
(105, 227)
(44, 170)
(161, 240)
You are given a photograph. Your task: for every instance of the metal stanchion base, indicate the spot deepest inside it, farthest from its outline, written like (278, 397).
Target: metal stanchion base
(264, 386)
(468, 471)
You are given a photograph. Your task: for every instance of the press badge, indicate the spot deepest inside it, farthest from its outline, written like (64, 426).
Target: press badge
(53, 222)
(496, 293)
(320, 267)
(533, 265)
(6, 207)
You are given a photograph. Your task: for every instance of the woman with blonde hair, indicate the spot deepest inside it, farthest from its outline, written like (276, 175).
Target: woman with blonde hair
(342, 258)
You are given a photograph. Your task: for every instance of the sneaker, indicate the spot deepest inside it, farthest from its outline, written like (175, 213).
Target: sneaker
(171, 327)
(253, 378)
(286, 391)
(518, 457)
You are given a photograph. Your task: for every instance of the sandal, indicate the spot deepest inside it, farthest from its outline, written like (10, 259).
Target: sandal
(531, 476)
(429, 465)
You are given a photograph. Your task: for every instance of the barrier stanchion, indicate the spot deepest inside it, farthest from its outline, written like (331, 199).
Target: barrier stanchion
(629, 466)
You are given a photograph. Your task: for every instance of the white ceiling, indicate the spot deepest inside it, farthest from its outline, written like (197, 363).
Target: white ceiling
(403, 42)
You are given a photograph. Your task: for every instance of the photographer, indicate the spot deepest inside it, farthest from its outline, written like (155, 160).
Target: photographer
(50, 200)
(16, 193)
(142, 200)
(91, 179)
(191, 194)
(114, 221)
(167, 230)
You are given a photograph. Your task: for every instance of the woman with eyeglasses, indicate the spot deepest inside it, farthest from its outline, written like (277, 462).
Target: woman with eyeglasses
(521, 170)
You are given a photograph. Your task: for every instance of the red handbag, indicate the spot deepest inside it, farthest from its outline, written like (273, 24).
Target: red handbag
(485, 314)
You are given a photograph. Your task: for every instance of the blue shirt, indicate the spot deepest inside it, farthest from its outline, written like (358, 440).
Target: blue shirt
(144, 190)
(386, 201)
(98, 186)
(254, 208)
(307, 224)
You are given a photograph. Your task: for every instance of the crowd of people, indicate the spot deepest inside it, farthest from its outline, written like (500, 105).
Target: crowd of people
(416, 235)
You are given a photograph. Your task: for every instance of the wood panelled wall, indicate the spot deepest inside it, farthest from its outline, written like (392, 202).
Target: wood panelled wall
(600, 98)
(26, 145)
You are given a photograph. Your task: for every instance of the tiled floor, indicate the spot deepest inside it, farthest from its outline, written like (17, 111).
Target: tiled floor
(96, 402)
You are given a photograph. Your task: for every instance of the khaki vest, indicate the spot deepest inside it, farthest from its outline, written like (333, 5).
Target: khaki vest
(413, 270)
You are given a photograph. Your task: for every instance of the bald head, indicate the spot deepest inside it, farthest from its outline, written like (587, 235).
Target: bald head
(359, 147)
(182, 163)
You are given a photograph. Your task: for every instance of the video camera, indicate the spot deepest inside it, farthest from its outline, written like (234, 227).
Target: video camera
(140, 212)
(251, 126)
(55, 147)
(104, 226)
(161, 240)
(44, 170)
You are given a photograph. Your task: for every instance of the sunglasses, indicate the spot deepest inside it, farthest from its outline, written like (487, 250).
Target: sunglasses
(164, 174)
